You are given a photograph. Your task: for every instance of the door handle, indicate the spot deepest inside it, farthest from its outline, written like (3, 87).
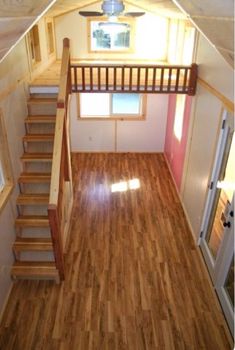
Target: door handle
(227, 224)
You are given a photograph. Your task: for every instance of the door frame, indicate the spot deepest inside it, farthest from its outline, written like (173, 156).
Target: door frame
(227, 120)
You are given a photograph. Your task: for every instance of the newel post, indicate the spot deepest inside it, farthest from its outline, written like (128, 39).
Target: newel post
(192, 80)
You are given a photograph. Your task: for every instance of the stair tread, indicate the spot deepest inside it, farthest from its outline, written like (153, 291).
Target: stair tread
(40, 119)
(36, 156)
(35, 244)
(34, 177)
(32, 221)
(33, 198)
(40, 100)
(34, 268)
(38, 137)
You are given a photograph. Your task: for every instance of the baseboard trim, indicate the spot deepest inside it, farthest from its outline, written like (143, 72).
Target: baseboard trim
(181, 202)
(116, 152)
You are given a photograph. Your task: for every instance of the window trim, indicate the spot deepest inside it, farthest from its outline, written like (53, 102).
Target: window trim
(128, 117)
(6, 165)
(50, 21)
(34, 48)
(130, 21)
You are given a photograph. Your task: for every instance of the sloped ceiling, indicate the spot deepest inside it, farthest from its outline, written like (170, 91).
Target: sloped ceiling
(214, 18)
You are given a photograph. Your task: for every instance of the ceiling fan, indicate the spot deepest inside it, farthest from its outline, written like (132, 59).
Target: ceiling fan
(111, 8)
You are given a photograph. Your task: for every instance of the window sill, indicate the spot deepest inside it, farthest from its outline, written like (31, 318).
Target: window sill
(127, 118)
(4, 195)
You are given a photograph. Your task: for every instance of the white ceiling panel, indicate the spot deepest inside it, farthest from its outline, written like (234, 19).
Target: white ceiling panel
(215, 8)
(22, 8)
(219, 32)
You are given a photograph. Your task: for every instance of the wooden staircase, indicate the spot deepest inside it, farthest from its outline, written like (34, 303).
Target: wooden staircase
(33, 248)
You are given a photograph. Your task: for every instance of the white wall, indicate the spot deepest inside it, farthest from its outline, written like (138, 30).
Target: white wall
(205, 124)
(74, 26)
(131, 136)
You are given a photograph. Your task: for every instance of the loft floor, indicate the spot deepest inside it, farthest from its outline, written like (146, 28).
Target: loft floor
(134, 277)
(132, 76)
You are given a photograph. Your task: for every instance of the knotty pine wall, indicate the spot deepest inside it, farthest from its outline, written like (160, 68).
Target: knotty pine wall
(152, 40)
(15, 72)
(122, 136)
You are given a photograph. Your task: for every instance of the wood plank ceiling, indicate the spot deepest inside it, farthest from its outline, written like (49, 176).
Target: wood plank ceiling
(214, 18)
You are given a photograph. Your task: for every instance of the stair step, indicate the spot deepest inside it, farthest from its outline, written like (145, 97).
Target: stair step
(37, 157)
(38, 138)
(32, 198)
(32, 221)
(40, 119)
(32, 244)
(36, 101)
(34, 178)
(33, 269)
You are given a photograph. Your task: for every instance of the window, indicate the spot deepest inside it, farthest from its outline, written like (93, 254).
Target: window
(34, 45)
(111, 36)
(6, 182)
(112, 105)
(50, 37)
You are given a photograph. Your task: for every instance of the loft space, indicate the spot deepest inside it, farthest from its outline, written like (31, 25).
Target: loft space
(213, 18)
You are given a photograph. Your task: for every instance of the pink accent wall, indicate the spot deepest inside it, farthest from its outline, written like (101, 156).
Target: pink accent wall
(175, 149)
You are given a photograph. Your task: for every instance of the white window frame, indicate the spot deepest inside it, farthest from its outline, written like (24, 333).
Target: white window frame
(5, 166)
(129, 21)
(113, 116)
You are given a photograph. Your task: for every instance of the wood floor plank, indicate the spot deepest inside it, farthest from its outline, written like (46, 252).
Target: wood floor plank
(134, 277)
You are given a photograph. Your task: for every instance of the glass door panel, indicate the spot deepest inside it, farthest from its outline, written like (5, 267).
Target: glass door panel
(222, 200)
(229, 283)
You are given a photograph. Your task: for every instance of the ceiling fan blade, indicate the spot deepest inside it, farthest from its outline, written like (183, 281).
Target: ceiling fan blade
(134, 14)
(90, 13)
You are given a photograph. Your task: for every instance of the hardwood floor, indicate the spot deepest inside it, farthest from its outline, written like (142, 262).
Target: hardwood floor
(134, 277)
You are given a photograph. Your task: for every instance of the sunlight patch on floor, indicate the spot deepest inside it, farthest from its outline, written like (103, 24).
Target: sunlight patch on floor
(123, 186)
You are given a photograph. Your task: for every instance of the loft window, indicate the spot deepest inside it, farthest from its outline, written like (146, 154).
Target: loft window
(6, 182)
(111, 36)
(112, 105)
(34, 43)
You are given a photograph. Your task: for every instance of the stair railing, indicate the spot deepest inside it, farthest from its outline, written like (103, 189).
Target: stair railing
(61, 192)
(134, 78)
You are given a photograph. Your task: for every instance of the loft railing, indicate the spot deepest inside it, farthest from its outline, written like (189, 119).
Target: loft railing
(134, 78)
(61, 193)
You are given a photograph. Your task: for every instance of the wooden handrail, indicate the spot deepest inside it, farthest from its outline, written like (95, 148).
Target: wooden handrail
(60, 173)
(133, 78)
(65, 76)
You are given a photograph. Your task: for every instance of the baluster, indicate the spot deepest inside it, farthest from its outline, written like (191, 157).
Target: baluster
(138, 78)
(91, 78)
(107, 78)
(83, 79)
(154, 78)
(169, 80)
(162, 79)
(98, 78)
(115, 79)
(75, 78)
(185, 79)
(123, 78)
(130, 79)
(146, 78)
(177, 79)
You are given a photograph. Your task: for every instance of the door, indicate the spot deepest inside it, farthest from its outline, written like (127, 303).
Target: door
(218, 220)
